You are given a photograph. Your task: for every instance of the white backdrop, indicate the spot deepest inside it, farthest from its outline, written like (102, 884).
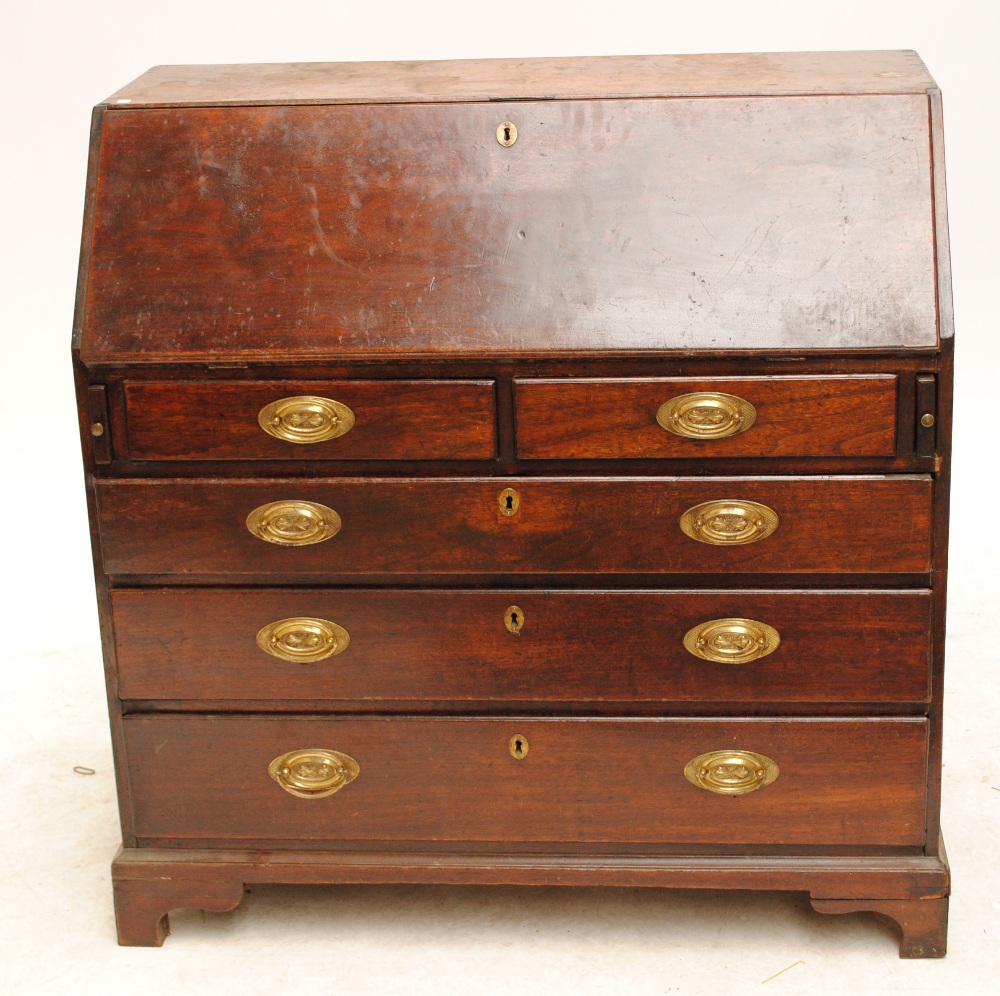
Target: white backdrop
(60, 57)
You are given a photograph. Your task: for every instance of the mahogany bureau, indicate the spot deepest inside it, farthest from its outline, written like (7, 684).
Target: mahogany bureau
(528, 472)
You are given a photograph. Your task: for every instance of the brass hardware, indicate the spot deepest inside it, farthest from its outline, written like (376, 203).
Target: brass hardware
(303, 639)
(313, 773)
(731, 772)
(305, 419)
(509, 501)
(506, 133)
(97, 429)
(293, 523)
(706, 415)
(729, 522)
(513, 619)
(731, 641)
(927, 420)
(518, 746)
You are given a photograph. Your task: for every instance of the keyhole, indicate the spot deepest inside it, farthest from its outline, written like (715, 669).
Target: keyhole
(507, 133)
(509, 501)
(513, 619)
(518, 746)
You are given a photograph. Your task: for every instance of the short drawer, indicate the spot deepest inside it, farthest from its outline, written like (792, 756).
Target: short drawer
(339, 420)
(521, 645)
(809, 782)
(351, 527)
(605, 418)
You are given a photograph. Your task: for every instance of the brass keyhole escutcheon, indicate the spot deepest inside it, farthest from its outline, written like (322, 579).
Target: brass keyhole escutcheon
(518, 746)
(506, 133)
(513, 619)
(509, 501)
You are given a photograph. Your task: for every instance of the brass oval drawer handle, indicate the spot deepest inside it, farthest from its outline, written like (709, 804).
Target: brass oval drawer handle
(731, 641)
(706, 415)
(731, 772)
(303, 639)
(313, 773)
(729, 522)
(293, 523)
(305, 419)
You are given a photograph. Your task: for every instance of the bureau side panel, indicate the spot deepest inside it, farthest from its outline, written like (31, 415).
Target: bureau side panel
(97, 448)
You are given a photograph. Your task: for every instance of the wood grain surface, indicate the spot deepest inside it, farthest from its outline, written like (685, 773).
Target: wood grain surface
(869, 646)
(351, 230)
(841, 781)
(394, 420)
(490, 79)
(564, 525)
(613, 418)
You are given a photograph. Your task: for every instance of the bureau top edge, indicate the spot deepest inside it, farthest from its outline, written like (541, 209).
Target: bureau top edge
(470, 80)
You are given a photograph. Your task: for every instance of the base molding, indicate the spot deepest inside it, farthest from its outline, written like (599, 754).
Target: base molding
(911, 890)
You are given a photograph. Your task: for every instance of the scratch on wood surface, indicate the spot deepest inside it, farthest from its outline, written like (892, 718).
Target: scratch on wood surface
(324, 243)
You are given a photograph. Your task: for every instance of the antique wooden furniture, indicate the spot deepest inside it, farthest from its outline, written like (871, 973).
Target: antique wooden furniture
(528, 472)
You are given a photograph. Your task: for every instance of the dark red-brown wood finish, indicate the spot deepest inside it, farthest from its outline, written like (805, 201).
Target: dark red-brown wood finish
(505, 325)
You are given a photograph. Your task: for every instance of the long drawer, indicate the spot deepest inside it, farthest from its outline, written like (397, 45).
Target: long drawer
(522, 645)
(813, 782)
(517, 525)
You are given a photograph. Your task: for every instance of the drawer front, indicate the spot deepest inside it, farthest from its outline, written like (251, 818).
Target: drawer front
(520, 646)
(852, 782)
(607, 418)
(361, 420)
(555, 526)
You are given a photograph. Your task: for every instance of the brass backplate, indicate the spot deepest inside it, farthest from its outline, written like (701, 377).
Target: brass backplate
(706, 415)
(731, 772)
(313, 773)
(731, 641)
(303, 639)
(293, 523)
(729, 522)
(305, 419)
